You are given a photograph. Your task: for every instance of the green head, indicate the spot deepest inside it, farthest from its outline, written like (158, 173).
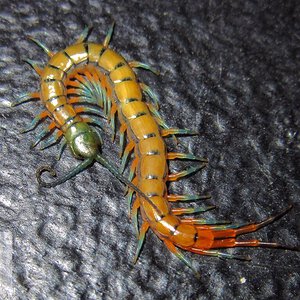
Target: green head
(83, 140)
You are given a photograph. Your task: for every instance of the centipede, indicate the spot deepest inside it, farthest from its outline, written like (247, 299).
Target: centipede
(89, 84)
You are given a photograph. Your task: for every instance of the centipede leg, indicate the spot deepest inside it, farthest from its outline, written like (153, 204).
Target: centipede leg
(191, 210)
(52, 140)
(147, 90)
(26, 98)
(123, 129)
(84, 35)
(129, 200)
(176, 155)
(177, 131)
(180, 255)
(157, 116)
(89, 110)
(109, 35)
(176, 198)
(42, 46)
(126, 153)
(112, 118)
(227, 238)
(138, 64)
(221, 255)
(35, 66)
(134, 215)
(144, 228)
(93, 121)
(43, 134)
(188, 171)
(35, 121)
(61, 149)
(200, 221)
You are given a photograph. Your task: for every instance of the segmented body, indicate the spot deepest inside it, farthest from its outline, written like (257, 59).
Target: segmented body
(93, 74)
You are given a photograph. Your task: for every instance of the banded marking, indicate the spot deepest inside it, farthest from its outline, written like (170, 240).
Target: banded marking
(86, 48)
(52, 80)
(69, 57)
(55, 98)
(139, 114)
(119, 65)
(131, 100)
(196, 237)
(149, 135)
(151, 177)
(174, 229)
(57, 68)
(153, 152)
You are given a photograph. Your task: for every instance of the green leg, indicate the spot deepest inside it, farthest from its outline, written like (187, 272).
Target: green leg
(222, 255)
(61, 149)
(157, 116)
(138, 64)
(126, 153)
(35, 66)
(26, 98)
(51, 141)
(41, 45)
(202, 221)
(134, 215)
(109, 35)
(143, 231)
(146, 89)
(188, 171)
(176, 155)
(180, 255)
(84, 35)
(190, 210)
(176, 198)
(94, 121)
(40, 137)
(35, 122)
(175, 131)
(90, 110)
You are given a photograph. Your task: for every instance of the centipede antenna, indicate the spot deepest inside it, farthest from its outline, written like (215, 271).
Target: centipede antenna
(78, 169)
(100, 159)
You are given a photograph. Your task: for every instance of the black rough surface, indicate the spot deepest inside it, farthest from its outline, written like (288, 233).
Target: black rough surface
(229, 69)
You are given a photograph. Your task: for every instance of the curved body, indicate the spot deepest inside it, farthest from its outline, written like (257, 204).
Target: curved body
(85, 75)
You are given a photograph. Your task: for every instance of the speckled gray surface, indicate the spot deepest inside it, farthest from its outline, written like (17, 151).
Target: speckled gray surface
(229, 69)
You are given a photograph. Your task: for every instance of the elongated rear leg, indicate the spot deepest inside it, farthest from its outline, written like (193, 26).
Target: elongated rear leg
(227, 238)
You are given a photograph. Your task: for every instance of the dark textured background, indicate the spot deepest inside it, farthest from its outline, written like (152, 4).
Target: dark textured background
(229, 69)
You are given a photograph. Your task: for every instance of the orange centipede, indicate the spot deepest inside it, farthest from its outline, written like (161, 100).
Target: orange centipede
(87, 83)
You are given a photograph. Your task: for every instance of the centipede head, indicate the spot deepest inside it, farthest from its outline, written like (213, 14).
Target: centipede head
(83, 140)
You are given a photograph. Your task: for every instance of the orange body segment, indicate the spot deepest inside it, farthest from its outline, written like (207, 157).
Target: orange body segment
(110, 59)
(94, 52)
(61, 61)
(52, 73)
(77, 53)
(128, 90)
(121, 73)
(153, 166)
(51, 89)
